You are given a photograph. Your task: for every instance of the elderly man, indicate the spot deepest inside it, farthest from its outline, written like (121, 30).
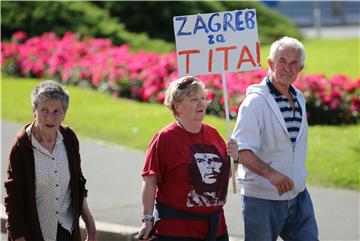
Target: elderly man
(271, 131)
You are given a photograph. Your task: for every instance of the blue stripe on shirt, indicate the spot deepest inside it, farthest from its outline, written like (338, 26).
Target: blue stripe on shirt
(292, 117)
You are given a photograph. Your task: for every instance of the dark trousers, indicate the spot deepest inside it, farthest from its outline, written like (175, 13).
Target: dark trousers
(224, 237)
(63, 234)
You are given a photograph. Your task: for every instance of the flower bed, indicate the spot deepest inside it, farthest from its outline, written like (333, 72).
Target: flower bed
(144, 76)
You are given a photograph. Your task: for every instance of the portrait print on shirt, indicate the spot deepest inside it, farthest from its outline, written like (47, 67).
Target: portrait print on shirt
(208, 176)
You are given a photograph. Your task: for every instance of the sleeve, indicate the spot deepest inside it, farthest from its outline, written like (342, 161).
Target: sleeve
(15, 197)
(248, 128)
(76, 146)
(154, 164)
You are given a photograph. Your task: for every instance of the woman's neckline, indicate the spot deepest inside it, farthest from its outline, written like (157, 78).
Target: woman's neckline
(179, 124)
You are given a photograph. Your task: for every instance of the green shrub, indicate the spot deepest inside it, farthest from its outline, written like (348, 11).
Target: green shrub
(156, 18)
(114, 20)
(83, 18)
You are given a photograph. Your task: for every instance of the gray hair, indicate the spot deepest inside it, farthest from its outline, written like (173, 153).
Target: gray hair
(179, 89)
(287, 42)
(52, 90)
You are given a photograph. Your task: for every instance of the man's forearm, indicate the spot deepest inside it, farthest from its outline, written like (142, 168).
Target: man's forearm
(252, 162)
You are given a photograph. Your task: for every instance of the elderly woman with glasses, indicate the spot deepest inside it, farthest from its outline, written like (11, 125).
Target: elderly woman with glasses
(45, 187)
(186, 172)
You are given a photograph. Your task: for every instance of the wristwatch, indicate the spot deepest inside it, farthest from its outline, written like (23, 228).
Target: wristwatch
(147, 218)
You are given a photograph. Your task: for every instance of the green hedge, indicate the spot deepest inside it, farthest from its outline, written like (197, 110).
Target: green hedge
(83, 18)
(156, 18)
(150, 22)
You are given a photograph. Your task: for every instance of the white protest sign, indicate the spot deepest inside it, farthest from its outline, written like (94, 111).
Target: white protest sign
(217, 42)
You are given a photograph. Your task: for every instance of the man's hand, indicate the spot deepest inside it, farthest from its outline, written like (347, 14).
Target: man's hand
(233, 149)
(281, 182)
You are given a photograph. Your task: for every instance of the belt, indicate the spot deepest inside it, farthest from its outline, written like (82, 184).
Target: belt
(164, 211)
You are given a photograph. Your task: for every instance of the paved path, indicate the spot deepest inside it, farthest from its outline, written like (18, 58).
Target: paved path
(114, 184)
(334, 32)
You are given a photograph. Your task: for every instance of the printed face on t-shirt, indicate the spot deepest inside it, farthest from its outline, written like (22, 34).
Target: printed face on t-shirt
(209, 165)
(208, 176)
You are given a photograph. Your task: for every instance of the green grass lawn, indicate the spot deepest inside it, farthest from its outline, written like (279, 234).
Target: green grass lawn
(333, 156)
(329, 56)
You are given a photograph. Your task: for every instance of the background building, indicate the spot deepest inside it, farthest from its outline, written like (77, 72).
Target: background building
(329, 13)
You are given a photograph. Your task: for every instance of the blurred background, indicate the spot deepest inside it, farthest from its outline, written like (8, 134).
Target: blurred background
(116, 58)
(139, 21)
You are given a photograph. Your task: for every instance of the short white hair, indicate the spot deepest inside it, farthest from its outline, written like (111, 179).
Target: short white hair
(287, 42)
(52, 90)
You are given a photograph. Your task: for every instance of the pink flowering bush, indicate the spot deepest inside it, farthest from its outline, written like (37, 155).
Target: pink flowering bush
(331, 101)
(144, 76)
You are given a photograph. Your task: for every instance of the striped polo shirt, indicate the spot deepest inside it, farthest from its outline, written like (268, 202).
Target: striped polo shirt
(292, 117)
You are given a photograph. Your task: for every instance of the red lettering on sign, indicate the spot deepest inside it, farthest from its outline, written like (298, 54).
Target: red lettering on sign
(226, 55)
(242, 59)
(188, 52)
(258, 53)
(210, 60)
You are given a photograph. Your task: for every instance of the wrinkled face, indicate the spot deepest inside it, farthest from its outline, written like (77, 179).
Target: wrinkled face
(49, 114)
(209, 166)
(285, 66)
(193, 108)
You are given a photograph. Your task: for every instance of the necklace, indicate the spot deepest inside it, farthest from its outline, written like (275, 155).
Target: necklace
(179, 124)
(183, 127)
(196, 137)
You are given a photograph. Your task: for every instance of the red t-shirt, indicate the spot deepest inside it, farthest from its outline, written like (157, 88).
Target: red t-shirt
(192, 172)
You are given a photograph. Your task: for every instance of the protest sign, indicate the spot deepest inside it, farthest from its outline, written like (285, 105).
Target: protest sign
(218, 42)
(214, 43)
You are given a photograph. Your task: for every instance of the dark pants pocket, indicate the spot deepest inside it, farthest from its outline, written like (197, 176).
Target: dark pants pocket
(63, 234)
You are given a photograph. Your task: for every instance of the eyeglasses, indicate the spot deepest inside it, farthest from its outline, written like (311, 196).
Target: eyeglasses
(185, 83)
(199, 101)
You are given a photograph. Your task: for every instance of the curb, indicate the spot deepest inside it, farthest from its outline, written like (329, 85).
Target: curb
(104, 231)
(111, 232)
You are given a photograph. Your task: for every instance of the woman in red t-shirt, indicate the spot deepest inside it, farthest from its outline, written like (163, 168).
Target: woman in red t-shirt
(186, 172)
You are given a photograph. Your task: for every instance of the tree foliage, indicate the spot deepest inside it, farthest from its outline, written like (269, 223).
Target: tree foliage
(84, 18)
(156, 18)
(144, 25)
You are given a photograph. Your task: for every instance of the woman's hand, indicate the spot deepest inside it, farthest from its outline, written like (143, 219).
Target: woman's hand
(89, 222)
(233, 150)
(148, 192)
(145, 230)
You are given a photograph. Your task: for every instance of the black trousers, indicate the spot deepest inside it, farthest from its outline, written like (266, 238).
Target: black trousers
(63, 234)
